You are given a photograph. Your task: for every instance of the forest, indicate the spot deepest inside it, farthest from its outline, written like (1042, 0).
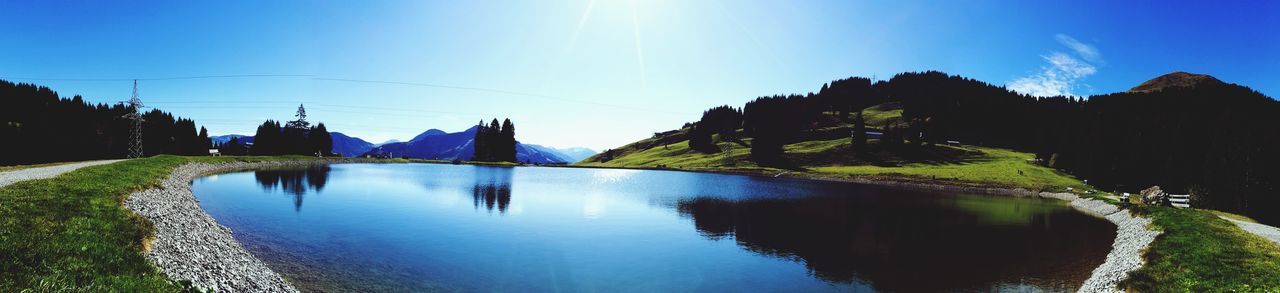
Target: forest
(1212, 140)
(295, 137)
(495, 142)
(39, 126)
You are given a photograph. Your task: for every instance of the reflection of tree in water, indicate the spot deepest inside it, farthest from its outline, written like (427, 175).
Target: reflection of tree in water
(926, 247)
(492, 188)
(294, 182)
(490, 194)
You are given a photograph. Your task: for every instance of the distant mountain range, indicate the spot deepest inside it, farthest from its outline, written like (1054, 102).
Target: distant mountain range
(221, 139)
(387, 142)
(436, 144)
(439, 145)
(573, 155)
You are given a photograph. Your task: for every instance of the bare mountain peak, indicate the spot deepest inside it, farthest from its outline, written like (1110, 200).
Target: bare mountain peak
(1172, 80)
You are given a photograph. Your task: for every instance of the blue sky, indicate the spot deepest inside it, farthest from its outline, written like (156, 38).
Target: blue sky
(600, 73)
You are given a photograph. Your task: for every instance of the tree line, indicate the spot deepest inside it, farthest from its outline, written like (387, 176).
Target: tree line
(495, 142)
(39, 126)
(1214, 140)
(295, 137)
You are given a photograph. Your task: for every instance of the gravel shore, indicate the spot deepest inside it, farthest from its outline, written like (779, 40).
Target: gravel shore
(1133, 235)
(191, 245)
(10, 177)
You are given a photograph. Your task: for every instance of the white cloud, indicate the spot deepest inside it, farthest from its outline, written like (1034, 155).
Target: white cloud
(1061, 74)
(1086, 51)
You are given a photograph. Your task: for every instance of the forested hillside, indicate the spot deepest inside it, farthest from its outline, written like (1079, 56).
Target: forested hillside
(1187, 133)
(39, 126)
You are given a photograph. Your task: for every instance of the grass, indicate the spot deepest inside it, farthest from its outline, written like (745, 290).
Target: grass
(882, 114)
(73, 233)
(836, 158)
(1200, 252)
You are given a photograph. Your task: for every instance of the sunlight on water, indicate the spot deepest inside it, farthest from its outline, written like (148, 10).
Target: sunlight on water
(409, 227)
(605, 176)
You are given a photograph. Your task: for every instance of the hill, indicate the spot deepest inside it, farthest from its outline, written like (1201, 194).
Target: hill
(349, 146)
(40, 126)
(1188, 133)
(1174, 80)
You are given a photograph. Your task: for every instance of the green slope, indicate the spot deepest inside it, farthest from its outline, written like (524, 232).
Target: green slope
(826, 157)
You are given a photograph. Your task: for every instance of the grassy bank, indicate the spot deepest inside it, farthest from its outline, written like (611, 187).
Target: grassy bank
(835, 158)
(73, 233)
(1200, 252)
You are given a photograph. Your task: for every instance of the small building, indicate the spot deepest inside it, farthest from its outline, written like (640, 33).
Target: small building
(215, 152)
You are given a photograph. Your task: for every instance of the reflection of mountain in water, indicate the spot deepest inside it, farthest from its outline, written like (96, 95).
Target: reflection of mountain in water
(904, 245)
(492, 188)
(295, 182)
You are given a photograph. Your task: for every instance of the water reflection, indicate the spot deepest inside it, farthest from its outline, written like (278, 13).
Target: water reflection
(492, 187)
(295, 183)
(854, 239)
(405, 227)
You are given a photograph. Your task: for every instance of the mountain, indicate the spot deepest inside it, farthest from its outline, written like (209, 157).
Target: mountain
(428, 133)
(439, 145)
(221, 139)
(571, 155)
(1172, 80)
(389, 141)
(540, 154)
(349, 146)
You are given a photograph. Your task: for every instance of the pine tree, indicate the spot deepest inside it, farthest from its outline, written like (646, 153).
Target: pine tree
(320, 142)
(480, 143)
(203, 142)
(508, 150)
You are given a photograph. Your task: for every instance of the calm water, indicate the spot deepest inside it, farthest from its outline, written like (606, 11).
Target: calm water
(423, 227)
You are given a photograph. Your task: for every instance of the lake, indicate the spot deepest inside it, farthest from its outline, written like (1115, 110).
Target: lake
(437, 227)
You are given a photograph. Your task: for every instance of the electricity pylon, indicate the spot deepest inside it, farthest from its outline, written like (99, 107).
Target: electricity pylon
(135, 135)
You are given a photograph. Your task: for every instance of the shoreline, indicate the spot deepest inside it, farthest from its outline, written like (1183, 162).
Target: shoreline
(1133, 232)
(190, 245)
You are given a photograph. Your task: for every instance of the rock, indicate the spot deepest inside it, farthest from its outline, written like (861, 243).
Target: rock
(1153, 195)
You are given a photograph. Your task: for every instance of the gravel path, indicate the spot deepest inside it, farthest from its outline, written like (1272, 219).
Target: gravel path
(1268, 232)
(191, 245)
(1133, 235)
(10, 177)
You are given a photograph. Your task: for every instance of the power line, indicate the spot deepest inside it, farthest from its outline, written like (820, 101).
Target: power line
(514, 93)
(158, 78)
(315, 77)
